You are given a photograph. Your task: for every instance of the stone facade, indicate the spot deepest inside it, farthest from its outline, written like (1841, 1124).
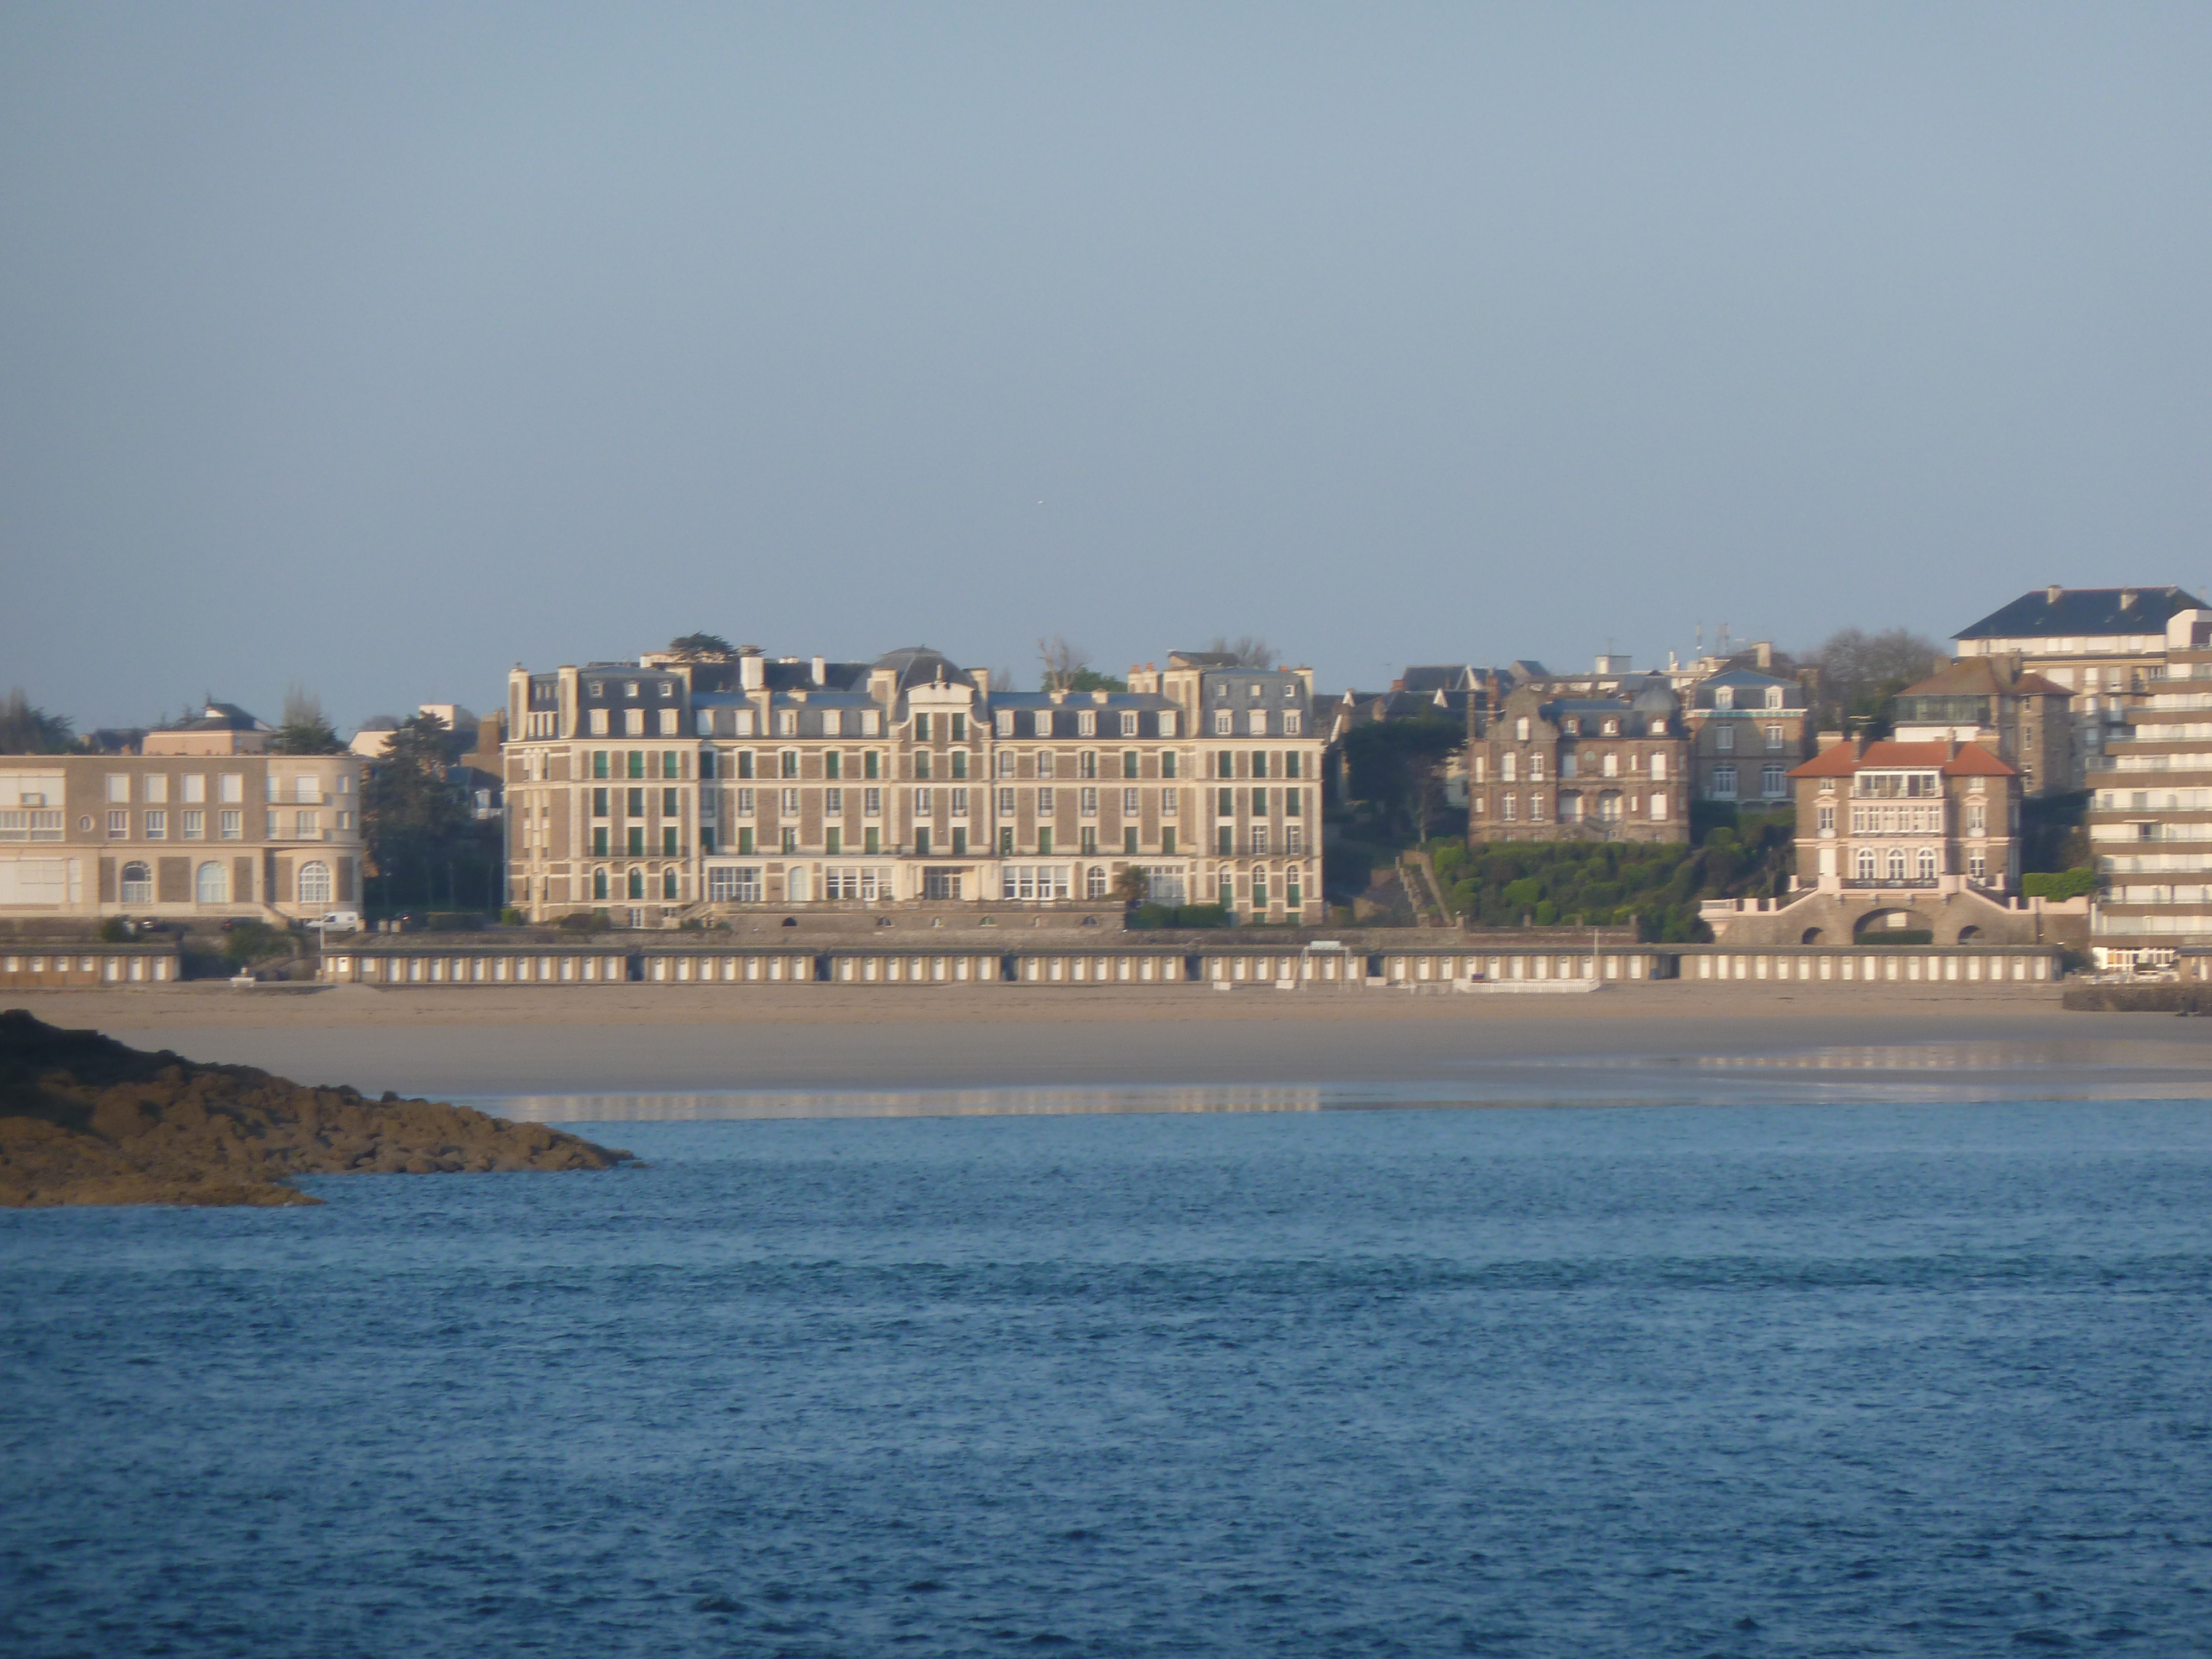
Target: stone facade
(673, 789)
(1747, 729)
(1993, 702)
(1901, 818)
(1541, 767)
(277, 837)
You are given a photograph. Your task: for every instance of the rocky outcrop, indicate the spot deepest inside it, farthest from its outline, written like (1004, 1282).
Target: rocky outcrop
(85, 1120)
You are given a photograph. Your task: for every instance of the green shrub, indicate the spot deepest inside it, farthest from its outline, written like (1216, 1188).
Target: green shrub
(114, 931)
(2058, 884)
(510, 917)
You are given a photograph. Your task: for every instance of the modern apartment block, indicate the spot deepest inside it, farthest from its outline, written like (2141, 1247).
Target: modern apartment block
(214, 833)
(674, 787)
(1747, 729)
(2150, 822)
(2104, 644)
(1590, 767)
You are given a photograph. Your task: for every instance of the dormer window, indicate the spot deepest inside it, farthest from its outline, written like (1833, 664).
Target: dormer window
(629, 688)
(668, 688)
(1255, 690)
(1658, 728)
(1571, 727)
(1005, 722)
(1774, 696)
(1724, 696)
(598, 688)
(1521, 729)
(1129, 724)
(1612, 728)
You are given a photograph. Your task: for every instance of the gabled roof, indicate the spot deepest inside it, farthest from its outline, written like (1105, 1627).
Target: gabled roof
(2049, 610)
(1979, 676)
(1971, 761)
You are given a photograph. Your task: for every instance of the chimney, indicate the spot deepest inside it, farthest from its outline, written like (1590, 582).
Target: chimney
(821, 672)
(2050, 594)
(2127, 598)
(751, 672)
(1766, 649)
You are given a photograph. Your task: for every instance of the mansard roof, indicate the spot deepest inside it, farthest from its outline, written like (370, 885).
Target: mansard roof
(919, 665)
(1980, 677)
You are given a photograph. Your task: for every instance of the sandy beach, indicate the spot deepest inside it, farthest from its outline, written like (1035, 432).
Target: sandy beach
(652, 1040)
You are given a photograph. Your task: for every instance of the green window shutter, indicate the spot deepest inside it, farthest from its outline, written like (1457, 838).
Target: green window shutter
(1291, 895)
(960, 762)
(832, 841)
(600, 765)
(745, 843)
(1294, 801)
(872, 764)
(874, 843)
(1228, 841)
(637, 763)
(668, 840)
(600, 842)
(1227, 803)
(637, 841)
(1044, 840)
(1128, 762)
(1168, 841)
(833, 764)
(598, 803)
(921, 842)
(1259, 803)
(744, 762)
(1129, 841)
(1168, 764)
(959, 842)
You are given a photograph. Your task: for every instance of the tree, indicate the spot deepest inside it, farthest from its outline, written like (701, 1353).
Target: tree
(1399, 765)
(700, 647)
(27, 729)
(413, 820)
(1860, 673)
(1133, 885)
(1248, 650)
(1063, 660)
(305, 731)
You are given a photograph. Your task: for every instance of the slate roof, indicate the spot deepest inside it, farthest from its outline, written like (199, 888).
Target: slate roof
(2038, 615)
(1978, 676)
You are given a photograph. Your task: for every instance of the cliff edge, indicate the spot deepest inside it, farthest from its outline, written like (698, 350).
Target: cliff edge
(86, 1120)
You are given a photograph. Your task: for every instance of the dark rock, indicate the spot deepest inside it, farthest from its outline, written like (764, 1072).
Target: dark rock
(85, 1120)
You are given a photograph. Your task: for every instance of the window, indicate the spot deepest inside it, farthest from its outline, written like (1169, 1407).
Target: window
(1571, 727)
(118, 826)
(1168, 765)
(234, 786)
(1612, 767)
(1769, 781)
(1223, 722)
(1086, 723)
(668, 840)
(119, 786)
(1511, 808)
(1657, 728)
(1168, 841)
(1825, 819)
(1041, 724)
(787, 722)
(194, 825)
(195, 786)
(1723, 697)
(1039, 884)
(1006, 762)
(1005, 722)
(1659, 767)
(1293, 723)
(315, 883)
(634, 886)
(959, 726)
(1897, 864)
(1724, 783)
(667, 722)
(633, 722)
(636, 842)
(1610, 727)
(1005, 803)
(1293, 838)
(1167, 718)
(1044, 803)
(960, 762)
(1258, 837)
(1521, 729)
(1864, 864)
(1256, 722)
(1259, 803)
(211, 883)
(1774, 696)
(1658, 809)
(1225, 841)
(1509, 767)
(309, 825)
(233, 825)
(1087, 803)
(1129, 806)
(669, 807)
(1977, 866)
(1535, 768)
(137, 884)
(1774, 736)
(1724, 737)
(633, 803)
(157, 826)
(1044, 766)
(925, 803)
(833, 802)
(1168, 799)
(922, 763)
(1536, 806)
(1129, 724)
(787, 762)
(959, 803)
(871, 764)
(636, 762)
(789, 841)
(671, 764)
(1977, 819)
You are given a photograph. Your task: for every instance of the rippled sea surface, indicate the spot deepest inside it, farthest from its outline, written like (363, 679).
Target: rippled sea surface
(1754, 1380)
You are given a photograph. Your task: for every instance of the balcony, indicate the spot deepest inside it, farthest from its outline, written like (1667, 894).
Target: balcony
(1886, 884)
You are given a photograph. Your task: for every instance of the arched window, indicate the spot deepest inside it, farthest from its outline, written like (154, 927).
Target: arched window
(1864, 864)
(1927, 864)
(1608, 805)
(599, 884)
(795, 887)
(668, 884)
(1094, 882)
(315, 883)
(211, 883)
(637, 884)
(1897, 864)
(137, 884)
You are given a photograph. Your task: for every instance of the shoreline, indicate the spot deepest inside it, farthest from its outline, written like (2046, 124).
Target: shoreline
(505, 1044)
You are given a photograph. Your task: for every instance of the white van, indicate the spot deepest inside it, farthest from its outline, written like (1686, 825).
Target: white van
(338, 921)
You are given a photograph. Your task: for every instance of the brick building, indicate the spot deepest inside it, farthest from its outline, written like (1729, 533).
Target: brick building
(1586, 768)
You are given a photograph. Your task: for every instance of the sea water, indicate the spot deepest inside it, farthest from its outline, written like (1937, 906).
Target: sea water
(1752, 1381)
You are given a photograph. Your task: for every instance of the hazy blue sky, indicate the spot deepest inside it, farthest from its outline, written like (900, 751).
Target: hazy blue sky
(378, 347)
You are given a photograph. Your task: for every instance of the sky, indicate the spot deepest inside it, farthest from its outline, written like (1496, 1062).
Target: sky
(376, 347)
